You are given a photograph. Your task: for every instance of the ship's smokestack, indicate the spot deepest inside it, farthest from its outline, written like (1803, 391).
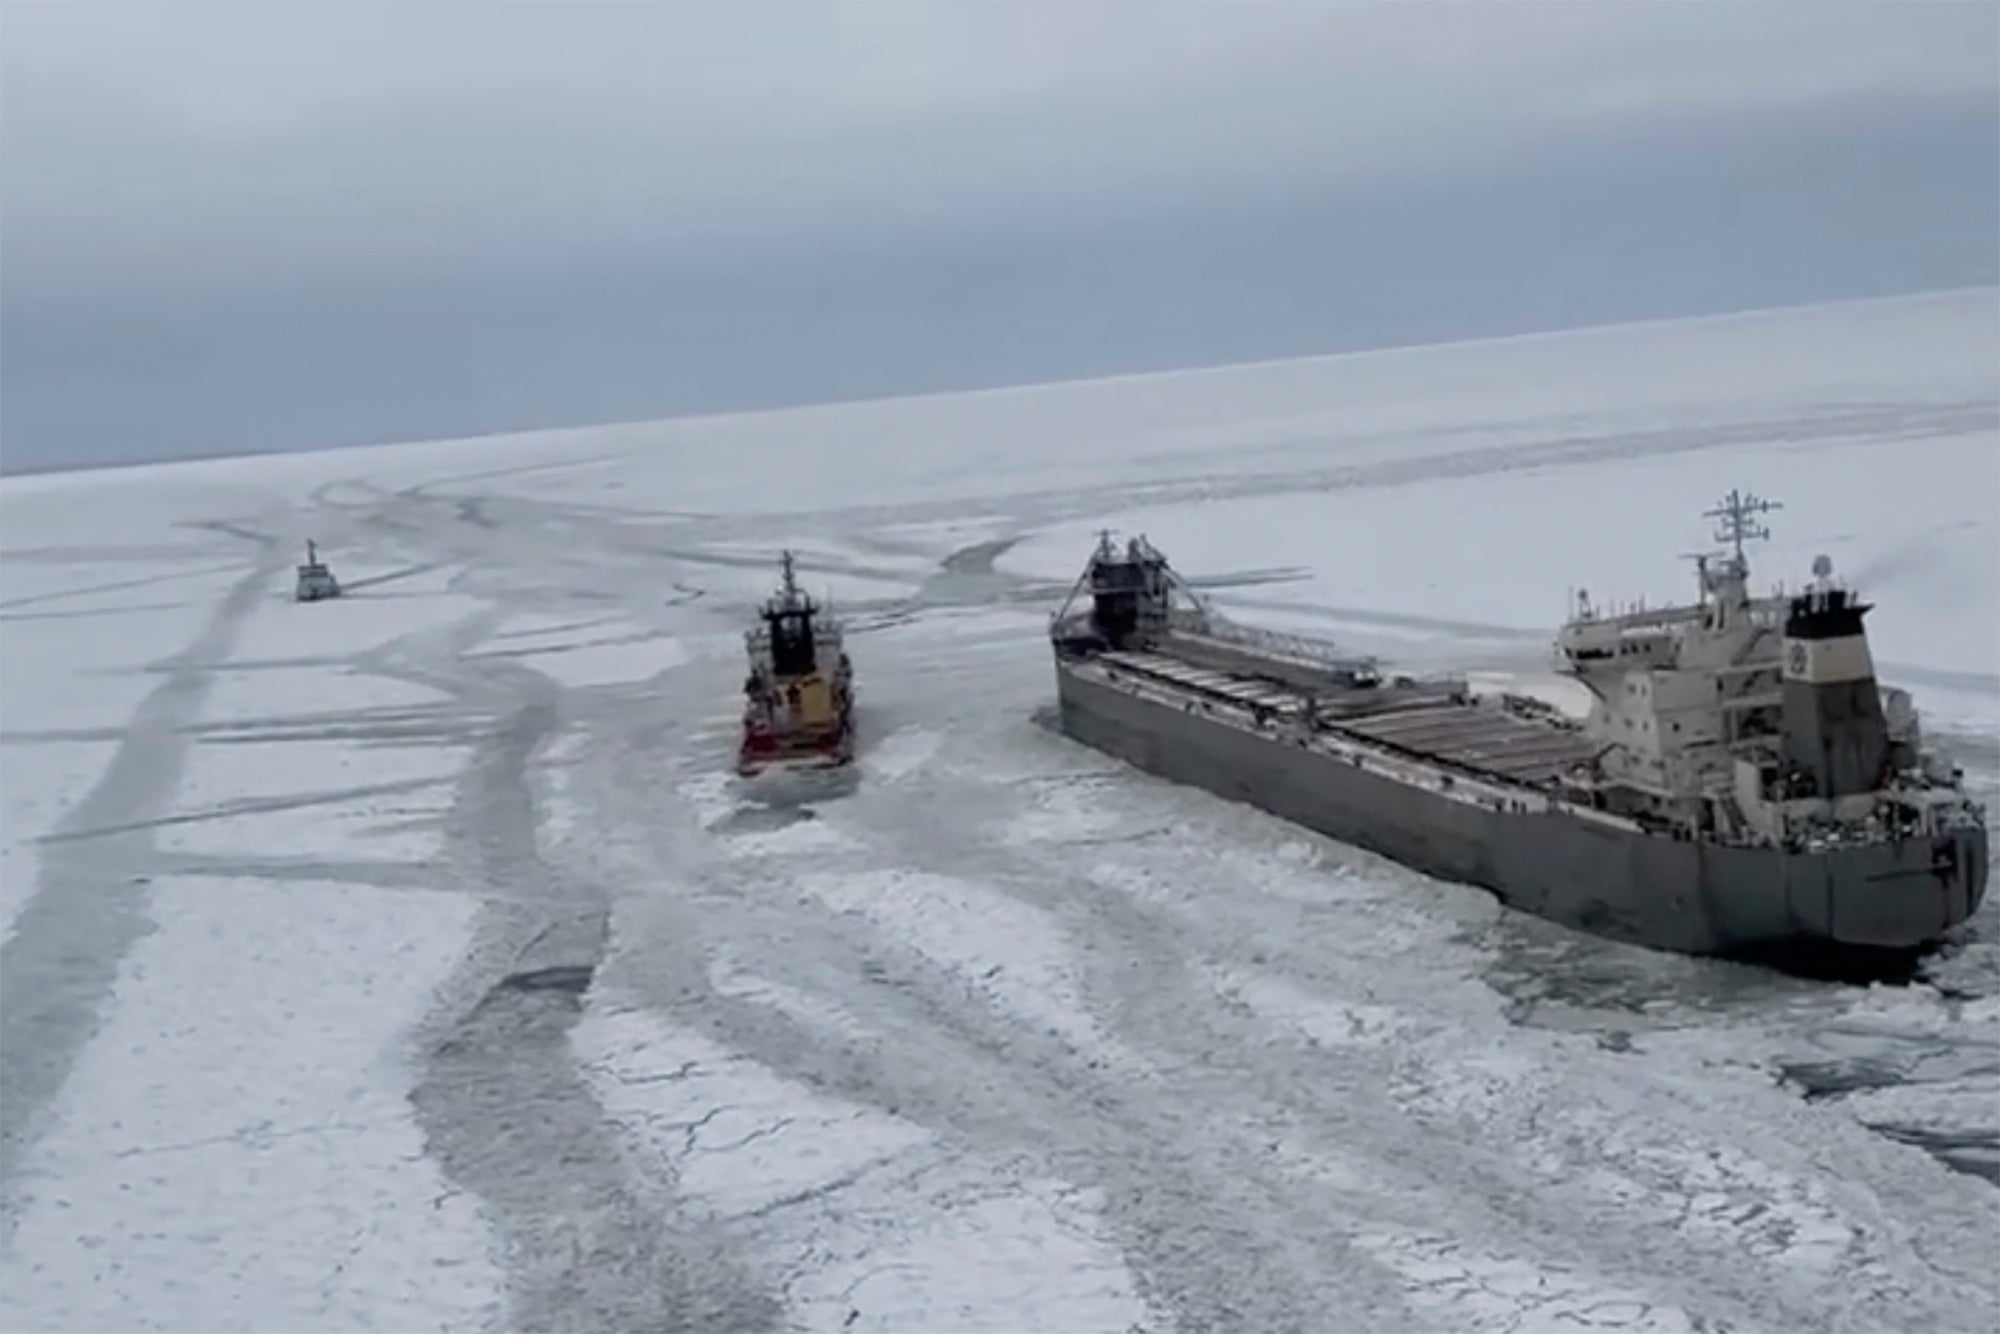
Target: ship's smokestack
(1834, 728)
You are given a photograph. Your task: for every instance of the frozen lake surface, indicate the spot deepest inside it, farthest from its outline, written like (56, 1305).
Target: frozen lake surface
(414, 961)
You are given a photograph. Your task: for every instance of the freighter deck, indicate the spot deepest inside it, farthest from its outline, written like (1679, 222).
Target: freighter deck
(1478, 738)
(1420, 720)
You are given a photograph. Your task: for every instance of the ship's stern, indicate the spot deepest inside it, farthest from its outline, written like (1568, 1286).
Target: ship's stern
(1910, 893)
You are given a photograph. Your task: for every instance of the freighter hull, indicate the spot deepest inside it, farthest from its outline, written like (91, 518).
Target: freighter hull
(1597, 875)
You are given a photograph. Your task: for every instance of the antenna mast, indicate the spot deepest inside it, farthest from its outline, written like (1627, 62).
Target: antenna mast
(1736, 521)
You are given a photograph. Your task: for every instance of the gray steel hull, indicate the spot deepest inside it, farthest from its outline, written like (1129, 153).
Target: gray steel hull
(1698, 898)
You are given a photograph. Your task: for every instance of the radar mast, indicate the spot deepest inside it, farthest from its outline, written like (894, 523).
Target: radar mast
(1736, 523)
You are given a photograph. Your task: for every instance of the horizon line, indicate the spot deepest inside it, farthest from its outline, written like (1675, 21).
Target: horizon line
(1020, 387)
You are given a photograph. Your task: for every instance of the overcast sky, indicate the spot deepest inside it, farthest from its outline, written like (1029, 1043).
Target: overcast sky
(232, 227)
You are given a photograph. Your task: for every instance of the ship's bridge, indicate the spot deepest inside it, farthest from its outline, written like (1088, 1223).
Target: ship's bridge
(1719, 626)
(1655, 637)
(1590, 641)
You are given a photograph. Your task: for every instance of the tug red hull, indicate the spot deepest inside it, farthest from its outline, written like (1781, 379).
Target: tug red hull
(762, 750)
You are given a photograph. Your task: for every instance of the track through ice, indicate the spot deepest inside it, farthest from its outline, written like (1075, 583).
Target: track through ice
(993, 1034)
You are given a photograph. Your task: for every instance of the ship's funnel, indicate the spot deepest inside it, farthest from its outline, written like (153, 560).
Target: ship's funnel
(1834, 728)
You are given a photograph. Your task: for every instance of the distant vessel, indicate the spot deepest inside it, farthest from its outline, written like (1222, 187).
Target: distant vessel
(315, 580)
(799, 696)
(1742, 783)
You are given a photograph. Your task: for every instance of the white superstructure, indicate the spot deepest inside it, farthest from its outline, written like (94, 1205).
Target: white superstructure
(1753, 718)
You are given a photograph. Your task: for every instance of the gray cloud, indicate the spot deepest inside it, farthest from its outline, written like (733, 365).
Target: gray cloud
(148, 137)
(236, 226)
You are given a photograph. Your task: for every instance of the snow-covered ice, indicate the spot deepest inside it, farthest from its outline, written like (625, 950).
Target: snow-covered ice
(415, 960)
(235, 1149)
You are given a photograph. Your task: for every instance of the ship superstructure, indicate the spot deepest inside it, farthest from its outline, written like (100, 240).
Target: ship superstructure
(1756, 719)
(799, 695)
(315, 580)
(1741, 781)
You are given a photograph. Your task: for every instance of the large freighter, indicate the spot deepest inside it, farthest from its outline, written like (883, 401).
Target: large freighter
(1741, 783)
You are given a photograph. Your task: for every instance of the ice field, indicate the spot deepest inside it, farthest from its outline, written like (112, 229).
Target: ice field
(414, 961)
